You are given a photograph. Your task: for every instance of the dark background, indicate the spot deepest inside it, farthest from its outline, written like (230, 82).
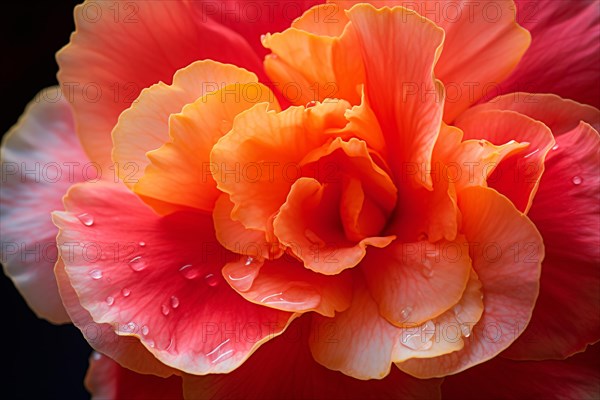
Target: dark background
(39, 360)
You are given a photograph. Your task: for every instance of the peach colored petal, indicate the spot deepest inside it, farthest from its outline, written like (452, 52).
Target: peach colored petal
(258, 160)
(560, 115)
(41, 157)
(160, 281)
(145, 125)
(115, 52)
(415, 282)
(506, 251)
(410, 122)
(316, 59)
(284, 284)
(180, 171)
(518, 176)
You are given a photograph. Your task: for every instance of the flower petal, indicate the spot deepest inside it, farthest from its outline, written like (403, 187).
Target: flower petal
(409, 122)
(545, 68)
(180, 171)
(41, 157)
(105, 379)
(566, 211)
(159, 281)
(507, 251)
(303, 378)
(577, 377)
(115, 52)
(518, 176)
(145, 125)
(285, 284)
(415, 282)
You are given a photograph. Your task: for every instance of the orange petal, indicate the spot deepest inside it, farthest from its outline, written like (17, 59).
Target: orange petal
(309, 224)
(284, 284)
(410, 122)
(415, 282)
(145, 125)
(316, 58)
(518, 176)
(236, 238)
(507, 251)
(118, 49)
(258, 160)
(180, 171)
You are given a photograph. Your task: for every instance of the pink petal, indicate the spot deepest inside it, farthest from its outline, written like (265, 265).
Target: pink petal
(577, 377)
(105, 379)
(118, 49)
(566, 210)
(564, 57)
(159, 279)
(41, 158)
(284, 368)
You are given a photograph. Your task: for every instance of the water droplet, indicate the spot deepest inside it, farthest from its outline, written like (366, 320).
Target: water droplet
(145, 330)
(249, 261)
(405, 313)
(125, 292)
(110, 300)
(220, 353)
(555, 147)
(137, 264)
(427, 270)
(96, 274)
(150, 343)
(189, 272)
(165, 309)
(174, 302)
(532, 153)
(263, 39)
(142, 244)
(86, 219)
(420, 339)
(577, 180)
(96, 356)
(311, 104)
(129, 327)
(211, 280)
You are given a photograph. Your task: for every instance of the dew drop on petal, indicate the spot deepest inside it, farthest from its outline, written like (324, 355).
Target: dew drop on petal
(142, 244)
(96, 356)
(125, 292)
(110, 300)
(145, 330)
(189, 272)
(220, 353)
(577, 180)
(137, 264)
(86, 219)
(174, 302)
(311, 104)
(96, 274)
(405, 313)
(211, 280)
(263, 39)
(249, 261)
(165, 310)
(555, 147)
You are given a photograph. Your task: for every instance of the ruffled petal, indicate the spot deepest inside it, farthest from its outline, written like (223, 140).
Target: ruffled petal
(302, 377)
(416, 282)
(517, 177)
(160, 281)
(284, 284)
(569, 66)
(105, 379)
(41, 157)
(115, 52)
(566, 211)
(577, 377)
(410, 122)
(507, 251)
